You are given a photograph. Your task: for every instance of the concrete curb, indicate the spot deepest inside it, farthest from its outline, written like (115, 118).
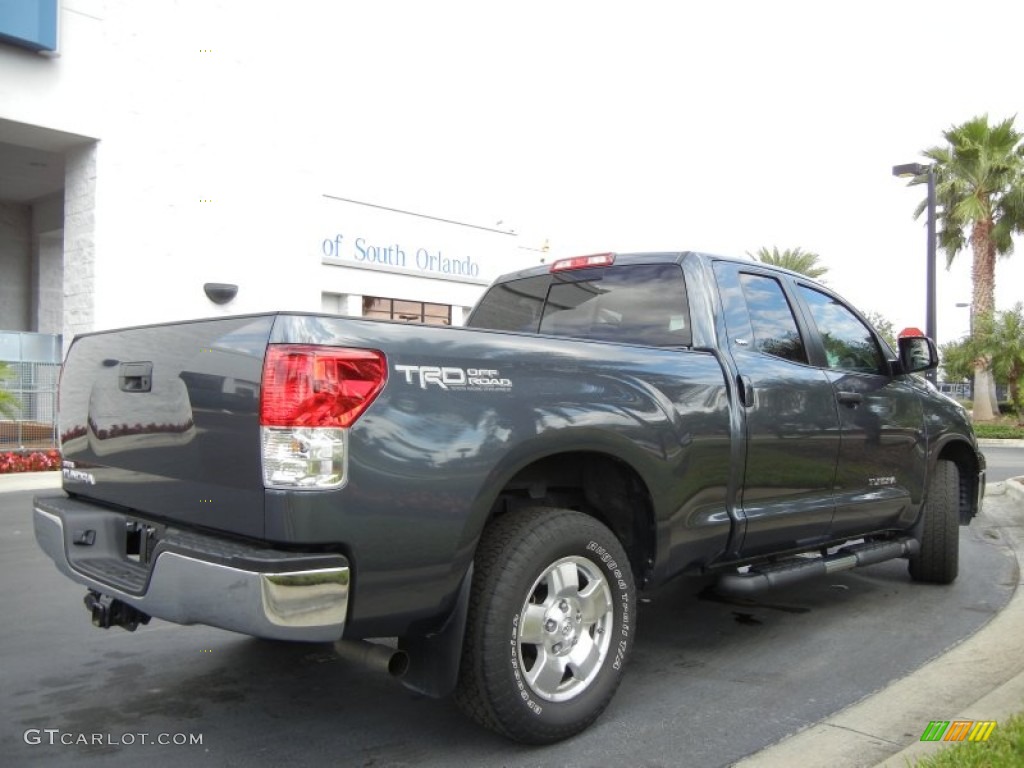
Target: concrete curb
(982, 678)
(1008, 698)
(1015, 488)
(29, 481)
(993, 442)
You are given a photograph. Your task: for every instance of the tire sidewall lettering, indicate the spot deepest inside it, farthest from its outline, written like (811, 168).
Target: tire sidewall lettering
(622, 626)
(517, 672)
(624, 617)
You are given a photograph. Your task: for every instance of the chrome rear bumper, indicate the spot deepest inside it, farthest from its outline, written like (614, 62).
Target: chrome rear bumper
(259, 592)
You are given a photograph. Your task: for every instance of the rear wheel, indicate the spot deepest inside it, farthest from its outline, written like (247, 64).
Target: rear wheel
(938, 560)
(550, 625)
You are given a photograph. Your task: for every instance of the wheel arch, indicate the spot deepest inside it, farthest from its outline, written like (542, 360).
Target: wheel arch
(965, 457)
(596, 482)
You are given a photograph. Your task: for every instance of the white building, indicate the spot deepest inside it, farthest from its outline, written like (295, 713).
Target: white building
(150, 148)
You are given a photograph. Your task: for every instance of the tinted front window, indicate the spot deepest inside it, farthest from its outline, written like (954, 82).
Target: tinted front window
(641, 304)
(849, 344)
(771, 317)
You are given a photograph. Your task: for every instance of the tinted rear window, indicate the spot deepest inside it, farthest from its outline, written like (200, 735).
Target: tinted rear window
(771, 317)
(641, 304)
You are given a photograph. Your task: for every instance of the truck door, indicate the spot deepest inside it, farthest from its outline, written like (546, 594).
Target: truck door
(789, 412)
(882, 450)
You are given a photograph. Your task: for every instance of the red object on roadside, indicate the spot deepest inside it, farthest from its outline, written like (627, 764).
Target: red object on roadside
(911, 333)
(29, 461)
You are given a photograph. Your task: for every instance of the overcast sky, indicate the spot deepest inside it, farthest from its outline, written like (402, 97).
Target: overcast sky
(715, 126)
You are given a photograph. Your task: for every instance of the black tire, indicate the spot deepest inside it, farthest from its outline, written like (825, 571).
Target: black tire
(551, 619)
(939, 558)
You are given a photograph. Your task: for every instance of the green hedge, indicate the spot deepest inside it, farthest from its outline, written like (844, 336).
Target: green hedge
(1005, 407)
(999, 431)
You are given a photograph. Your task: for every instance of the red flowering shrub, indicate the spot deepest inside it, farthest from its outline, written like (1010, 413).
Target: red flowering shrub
(29, 461)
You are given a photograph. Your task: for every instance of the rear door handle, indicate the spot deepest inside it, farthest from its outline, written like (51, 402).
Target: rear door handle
(850, 398)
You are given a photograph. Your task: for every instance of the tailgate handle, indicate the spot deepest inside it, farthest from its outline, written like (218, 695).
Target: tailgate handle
(135, 377)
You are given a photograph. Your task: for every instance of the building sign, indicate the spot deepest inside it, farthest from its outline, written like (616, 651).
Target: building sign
(407, 256)
(29, 24)
(369, 236)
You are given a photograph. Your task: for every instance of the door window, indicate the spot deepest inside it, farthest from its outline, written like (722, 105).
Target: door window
(849, 343)
(771, 318)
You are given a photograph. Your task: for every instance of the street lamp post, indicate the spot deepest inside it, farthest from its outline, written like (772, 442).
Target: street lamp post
(913, 170)
(969, 392)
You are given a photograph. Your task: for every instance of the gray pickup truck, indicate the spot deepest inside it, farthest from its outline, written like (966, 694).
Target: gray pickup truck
(493, 496)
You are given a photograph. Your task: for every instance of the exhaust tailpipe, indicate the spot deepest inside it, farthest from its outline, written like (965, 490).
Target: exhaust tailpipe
(373, 655)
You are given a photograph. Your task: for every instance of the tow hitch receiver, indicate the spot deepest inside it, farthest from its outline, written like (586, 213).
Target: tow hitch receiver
(108, 612)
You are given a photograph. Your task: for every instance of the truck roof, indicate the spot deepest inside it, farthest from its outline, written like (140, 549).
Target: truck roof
(648, 257)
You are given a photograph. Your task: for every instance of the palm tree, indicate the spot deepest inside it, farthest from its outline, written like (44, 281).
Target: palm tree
(979, 182)
(793, 259)
(1001, 338)
(884, 327)
(957, 360)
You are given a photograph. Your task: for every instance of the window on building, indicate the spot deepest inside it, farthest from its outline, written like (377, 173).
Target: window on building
(407, 311)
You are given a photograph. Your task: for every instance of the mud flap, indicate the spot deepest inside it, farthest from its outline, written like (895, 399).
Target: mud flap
(434, 659)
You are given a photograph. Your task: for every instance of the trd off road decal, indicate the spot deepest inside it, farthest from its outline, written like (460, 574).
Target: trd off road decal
(456, 379)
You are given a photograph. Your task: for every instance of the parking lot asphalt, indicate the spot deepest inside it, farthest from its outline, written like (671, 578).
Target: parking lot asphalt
(981, 678)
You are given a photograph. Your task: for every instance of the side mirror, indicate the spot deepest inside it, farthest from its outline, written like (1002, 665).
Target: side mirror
(917, 353)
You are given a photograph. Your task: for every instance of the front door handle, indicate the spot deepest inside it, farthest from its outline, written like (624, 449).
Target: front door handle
(851, 399)
(746, 387)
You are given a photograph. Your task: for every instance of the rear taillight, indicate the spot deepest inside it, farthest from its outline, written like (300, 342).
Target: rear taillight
(583, 262)
(310, 396)
(307, 386)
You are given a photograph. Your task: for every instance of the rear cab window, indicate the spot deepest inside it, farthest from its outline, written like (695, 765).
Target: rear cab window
(632, 304)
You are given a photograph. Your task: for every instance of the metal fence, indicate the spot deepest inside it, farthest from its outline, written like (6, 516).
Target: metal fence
(29, 374)
(961, 390)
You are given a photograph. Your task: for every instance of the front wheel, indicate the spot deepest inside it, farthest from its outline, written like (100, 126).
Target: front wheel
(939, 557)
(551, 621)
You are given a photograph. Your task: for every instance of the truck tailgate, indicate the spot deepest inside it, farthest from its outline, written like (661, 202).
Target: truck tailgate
(164, 420)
